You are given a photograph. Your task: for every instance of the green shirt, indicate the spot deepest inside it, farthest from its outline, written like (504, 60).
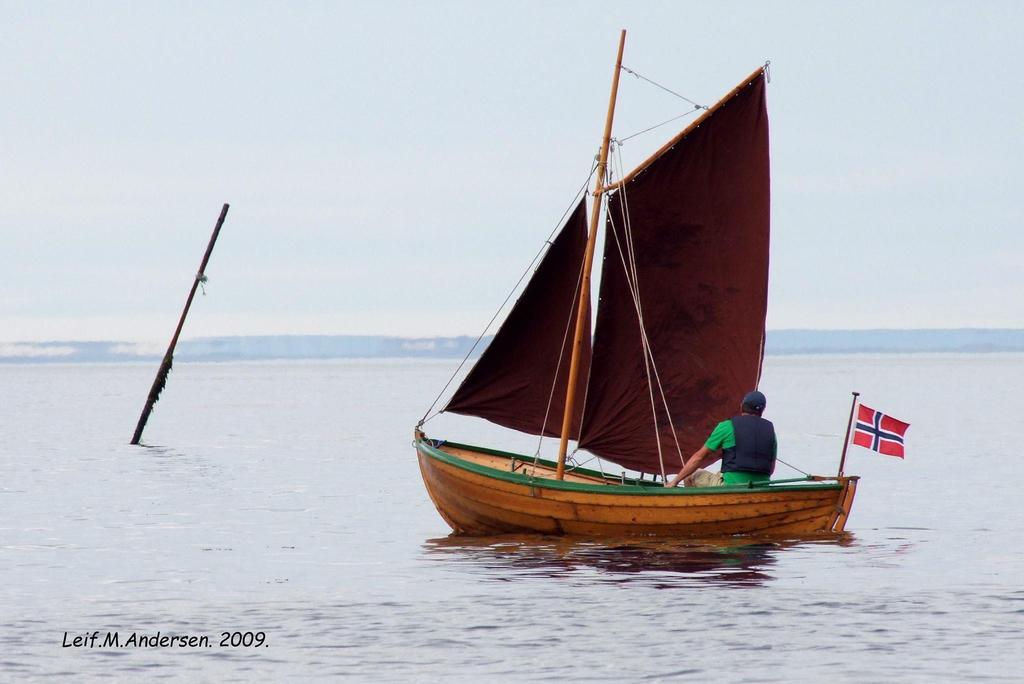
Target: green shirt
(724, 437)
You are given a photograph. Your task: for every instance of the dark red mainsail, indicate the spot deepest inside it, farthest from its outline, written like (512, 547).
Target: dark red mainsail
(699, 215)
(511, 383)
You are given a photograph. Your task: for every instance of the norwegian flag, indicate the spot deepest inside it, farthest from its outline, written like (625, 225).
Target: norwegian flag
(876, 431)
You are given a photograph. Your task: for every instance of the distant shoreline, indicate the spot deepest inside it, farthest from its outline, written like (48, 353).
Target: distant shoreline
(324, 347)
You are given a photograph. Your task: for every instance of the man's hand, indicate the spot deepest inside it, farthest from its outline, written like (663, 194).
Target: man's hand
(695, 461)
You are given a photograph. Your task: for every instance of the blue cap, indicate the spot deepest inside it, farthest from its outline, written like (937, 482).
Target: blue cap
(754, 401)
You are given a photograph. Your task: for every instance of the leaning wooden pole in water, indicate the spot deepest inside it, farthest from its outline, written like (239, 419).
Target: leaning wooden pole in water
(165, 365)
(588, 260)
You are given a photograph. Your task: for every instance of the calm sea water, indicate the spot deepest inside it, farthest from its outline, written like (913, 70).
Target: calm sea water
(284, 498)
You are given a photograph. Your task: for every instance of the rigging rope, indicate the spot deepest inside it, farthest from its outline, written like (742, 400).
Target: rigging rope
(579, 464)
(547, 243)
(561, 355)
(632, 280)
(583, 406)
(792, 466)
(619, 141)
(658, 85)
(696, 106)
(643, 329)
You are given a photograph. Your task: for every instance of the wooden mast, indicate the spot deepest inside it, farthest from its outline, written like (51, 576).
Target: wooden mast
(588, 260)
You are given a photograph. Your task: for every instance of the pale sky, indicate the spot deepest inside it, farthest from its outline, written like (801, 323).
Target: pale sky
(392, 167)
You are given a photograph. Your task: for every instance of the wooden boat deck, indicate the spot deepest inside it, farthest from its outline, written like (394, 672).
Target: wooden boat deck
(525, 466)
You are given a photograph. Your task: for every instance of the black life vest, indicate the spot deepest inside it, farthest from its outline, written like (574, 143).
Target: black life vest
(755, 442)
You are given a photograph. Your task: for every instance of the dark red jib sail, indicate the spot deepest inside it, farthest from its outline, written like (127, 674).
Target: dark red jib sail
(699, 218)
(511, 384)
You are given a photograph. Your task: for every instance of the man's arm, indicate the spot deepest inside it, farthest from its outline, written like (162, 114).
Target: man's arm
(701, 458)
(706, 455)
(775, 452)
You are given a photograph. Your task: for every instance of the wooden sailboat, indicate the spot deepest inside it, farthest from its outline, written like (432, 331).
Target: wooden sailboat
(679, 338)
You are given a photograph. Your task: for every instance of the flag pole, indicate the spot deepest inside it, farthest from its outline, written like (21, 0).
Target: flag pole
(846, 442)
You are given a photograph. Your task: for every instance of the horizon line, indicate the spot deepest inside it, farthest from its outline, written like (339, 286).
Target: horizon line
(68, 340)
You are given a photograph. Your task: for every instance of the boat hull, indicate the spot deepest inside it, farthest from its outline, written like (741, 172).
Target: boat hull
(477, 496)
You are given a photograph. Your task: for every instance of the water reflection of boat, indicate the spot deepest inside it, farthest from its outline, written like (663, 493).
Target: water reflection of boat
(659, 563)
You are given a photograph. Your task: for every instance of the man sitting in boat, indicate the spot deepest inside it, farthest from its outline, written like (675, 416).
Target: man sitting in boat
(746, 444)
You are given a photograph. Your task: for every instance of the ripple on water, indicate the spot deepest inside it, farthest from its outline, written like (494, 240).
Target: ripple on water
(297, 511)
